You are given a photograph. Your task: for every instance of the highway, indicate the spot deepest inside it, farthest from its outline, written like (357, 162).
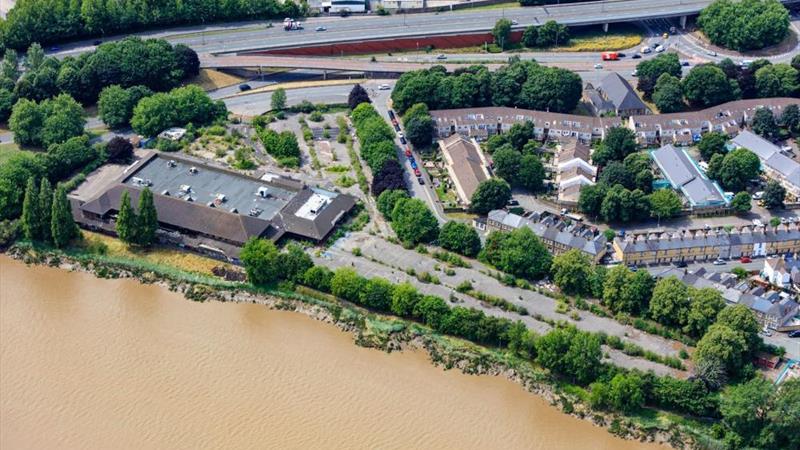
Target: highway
(250, 36)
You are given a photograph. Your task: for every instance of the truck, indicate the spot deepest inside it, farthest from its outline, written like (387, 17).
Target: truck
(609, 56)
(291, 24)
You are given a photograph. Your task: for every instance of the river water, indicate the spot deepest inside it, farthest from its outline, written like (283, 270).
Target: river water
(91, 363)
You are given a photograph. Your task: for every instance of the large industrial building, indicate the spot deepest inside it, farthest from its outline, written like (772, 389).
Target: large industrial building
(215, 211)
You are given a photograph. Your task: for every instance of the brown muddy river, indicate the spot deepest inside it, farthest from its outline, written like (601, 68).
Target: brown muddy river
(91, 363)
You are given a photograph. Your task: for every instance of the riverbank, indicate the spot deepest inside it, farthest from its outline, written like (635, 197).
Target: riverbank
(376, 331)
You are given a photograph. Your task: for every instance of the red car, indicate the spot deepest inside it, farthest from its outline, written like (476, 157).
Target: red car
(408, 152)
(745, 259)
(417, 172)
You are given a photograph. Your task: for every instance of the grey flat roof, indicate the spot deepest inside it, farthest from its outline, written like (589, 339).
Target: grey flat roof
(756, 144)
(241, 193)
(683, 174)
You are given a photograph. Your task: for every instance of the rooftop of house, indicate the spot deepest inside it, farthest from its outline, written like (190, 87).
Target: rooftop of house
(554, 228)
(681, 171)
(574, 149)
(620, 93)
(213, 201)
(466, 161)
(715, 237)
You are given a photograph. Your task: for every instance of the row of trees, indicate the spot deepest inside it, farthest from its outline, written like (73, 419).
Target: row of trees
(51, 121)
(59, 161)
(137, 227)
(152, 63)
(418, 125)
(524, 84)
(549, 34)
(744, 24)
(568, 353)
(46, 215)
(58, 20)
(711, 84)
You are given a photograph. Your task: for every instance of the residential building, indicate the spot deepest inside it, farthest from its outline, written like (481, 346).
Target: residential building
(573, 170)
(774, 163)
(685, 176)
(466, 165)
(682, 128)
(558, 234)
(482, 123)
(214, 210)
(782, 272)
(707, 245)
(772, 309)
(615, 95)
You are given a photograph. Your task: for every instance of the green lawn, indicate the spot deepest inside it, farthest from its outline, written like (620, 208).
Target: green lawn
(8, 150)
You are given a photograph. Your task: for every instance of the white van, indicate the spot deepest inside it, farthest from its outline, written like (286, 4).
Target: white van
(645, 49)
(384, 87)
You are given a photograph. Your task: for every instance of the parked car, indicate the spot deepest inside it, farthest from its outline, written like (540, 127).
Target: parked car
(685, 63)
(244, 87)
(719, 262)
(413, 164)
(598, 66)
(321, 29)
(441, 56)
(420, 180)
(514, 22)
(408, 152)
(400, 134)
(402, 140)
(680, 264)
(711, 53)
(758, 195)
(396, 127)
(636, 56)
(391, 114)
(384, 87)
(417, 172)
(745, 260)
(635, 73)
(513, 202)
(96, 43)
(795, 334)
(659, 48)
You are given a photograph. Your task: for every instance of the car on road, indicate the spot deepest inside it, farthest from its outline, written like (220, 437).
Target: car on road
(633, 267)
(384, 87)
(680, 264)
(758, 223)
(513, 202)
(400, 134)
(685, 63)
(391, 114)
(408, 152)
(413, 164)
(795, 334)
(514, 22)
(403, 140)
(321, 29)
(711, 53)
(420, 180)
(620, 54)
(396, 127)
(745, 260)
(417, 172)
(719, 262)
(96, 43)
(244, 87)
(598, 66)
(659, 49)
(441, 56)
(645, 49)
(665, 36)
(635, 73)
(636, 56)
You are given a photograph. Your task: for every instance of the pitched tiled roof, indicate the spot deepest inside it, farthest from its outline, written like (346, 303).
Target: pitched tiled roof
(467, 166)
(619, 92)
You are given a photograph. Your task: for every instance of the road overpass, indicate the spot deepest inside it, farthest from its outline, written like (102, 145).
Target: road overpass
(248, 37)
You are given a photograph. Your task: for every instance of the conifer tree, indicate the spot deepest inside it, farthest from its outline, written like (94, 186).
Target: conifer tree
(30, 211)
(62, 226)
(45, 209)
(147, 222)
(126, 220)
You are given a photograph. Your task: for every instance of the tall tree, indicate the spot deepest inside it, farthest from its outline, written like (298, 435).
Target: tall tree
(460, 238)
(668, 94)
(706, 85)
(278, 99)
(774, 195)
(491, 194)
(358, 95)
(147, 219)
(502, 33)
(712, 143)
(45, 209)
(63, 226)
(30, 211)
(260, 259)
(126, 220)
(572, 272)
(764, 123)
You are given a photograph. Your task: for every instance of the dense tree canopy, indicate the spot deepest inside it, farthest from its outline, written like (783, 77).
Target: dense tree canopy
(501, 33)
(523, 84)
(665, 203)
(764, 124)
(413, 221)
(357, 96)
(177, 108)
(519, 252)
(706, 85)
(390, 177)
(260, 260)
(712, 143)
(116, 104)
(50, 122)
(734, 169)
(59, 20)
(387, 199)
(744, 24)
(774, 195)
(668, 94)
(572, 272)
(650, 70)
(741, 203)
(491, 194)
(619, 142)
(460, 238)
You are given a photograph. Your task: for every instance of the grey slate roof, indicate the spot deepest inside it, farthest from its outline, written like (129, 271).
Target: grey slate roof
(552, 229)
(763, 148)
(684, 175)
(620, 93)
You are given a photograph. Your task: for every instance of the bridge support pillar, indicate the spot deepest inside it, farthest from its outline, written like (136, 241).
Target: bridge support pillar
(605, 27)
(324, 74)
(683, 22)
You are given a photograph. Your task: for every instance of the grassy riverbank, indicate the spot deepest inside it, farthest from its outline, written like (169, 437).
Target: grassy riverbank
(185, 273)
